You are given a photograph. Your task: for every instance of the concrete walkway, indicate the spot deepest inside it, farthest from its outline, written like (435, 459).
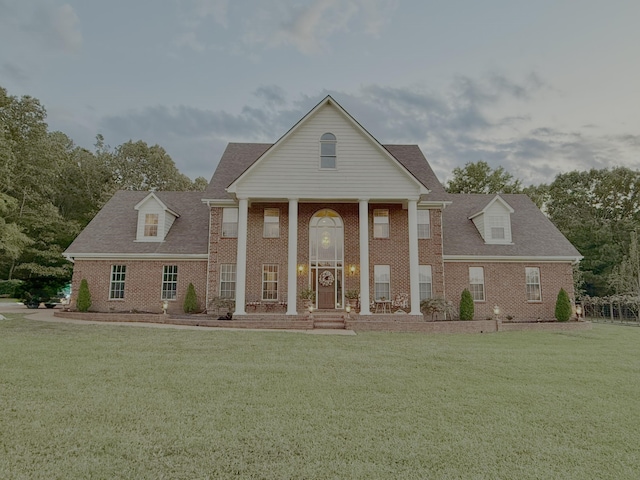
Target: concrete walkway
(46, 315)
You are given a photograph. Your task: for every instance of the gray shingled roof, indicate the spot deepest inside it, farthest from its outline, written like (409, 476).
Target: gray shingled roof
(533, 234)
(239, 156)
(113, 229)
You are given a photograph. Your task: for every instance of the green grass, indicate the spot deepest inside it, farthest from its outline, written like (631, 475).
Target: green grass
(93, 401)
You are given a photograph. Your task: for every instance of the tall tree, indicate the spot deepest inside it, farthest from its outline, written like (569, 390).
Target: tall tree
(479, 177)
(596, 210)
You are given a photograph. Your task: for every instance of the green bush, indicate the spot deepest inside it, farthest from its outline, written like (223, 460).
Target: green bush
(190, 300)
(563, 306)
(9, 288)
(466, 305)
(84, 297)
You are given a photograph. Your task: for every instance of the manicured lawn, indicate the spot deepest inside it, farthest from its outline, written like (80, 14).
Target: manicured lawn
(93, 401)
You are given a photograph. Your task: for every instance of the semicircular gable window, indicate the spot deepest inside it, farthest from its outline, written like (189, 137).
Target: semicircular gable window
(328, 151)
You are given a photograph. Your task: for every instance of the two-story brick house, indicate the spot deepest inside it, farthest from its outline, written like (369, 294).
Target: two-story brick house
(326, 207)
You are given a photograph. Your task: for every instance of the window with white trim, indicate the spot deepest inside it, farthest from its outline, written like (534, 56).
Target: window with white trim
(169, 282)
(269, 282)
(228, 280)
(424, 224)
(381, 223)
(151, 225)
(532, 284)
(382, 282)
(116, 284)
(425, 282)
(229, 222)
(328, 151)
(271, 223)
(476, 283)
(497, 227)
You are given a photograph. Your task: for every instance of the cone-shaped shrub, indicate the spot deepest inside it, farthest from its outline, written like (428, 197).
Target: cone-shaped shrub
(563, 306)
(190, 300)
(466, 305)
(84, 297)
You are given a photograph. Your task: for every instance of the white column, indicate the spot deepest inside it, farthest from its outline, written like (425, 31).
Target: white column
(241, 258)
(414, 262)
(364, 257)
(292, 270)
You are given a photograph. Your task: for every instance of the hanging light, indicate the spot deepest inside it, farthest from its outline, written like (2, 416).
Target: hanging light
(326, 240)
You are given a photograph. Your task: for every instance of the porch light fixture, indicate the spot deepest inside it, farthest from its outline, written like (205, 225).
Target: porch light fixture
(300, 268)
(352, 269)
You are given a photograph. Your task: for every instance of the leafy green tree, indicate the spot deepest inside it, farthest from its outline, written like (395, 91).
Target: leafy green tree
(596, 210)
(83, 303)
(625, 277)
(563, 306)
(466, 305)
(479, 177)
(190, 300)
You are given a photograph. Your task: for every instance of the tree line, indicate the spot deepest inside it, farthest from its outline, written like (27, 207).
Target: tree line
(51, 188)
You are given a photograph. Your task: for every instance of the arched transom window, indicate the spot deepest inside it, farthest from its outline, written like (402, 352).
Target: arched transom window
(328, 151)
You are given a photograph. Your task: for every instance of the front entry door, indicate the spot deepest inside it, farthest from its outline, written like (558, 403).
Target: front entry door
(326, 294)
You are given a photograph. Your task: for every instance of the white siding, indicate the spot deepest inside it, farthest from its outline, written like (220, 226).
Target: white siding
(499, 210)
(479, 223)
(293, 168)
(165, 220)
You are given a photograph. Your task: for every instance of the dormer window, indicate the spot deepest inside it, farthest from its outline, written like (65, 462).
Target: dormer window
(497, 225)
(494, 222)
(155, 219)
(328, 151)
(151, 225)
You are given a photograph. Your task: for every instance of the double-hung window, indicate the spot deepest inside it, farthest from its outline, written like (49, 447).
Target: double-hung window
(151, 225)
(230, 222)
(271, 223)
(476, 283)
(424, 224)
(116, 285)
(228, 280)
(382, 279)
(425, 282)
(532, 282)
(381, 223)
(169, 282)
(269, 282)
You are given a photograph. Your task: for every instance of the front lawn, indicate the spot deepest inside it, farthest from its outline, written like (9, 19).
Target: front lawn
(96, 401)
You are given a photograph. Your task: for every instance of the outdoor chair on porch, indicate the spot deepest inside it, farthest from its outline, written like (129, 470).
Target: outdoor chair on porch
(401, 300)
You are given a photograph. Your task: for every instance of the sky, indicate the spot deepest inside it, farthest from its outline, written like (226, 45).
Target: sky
(539, 88)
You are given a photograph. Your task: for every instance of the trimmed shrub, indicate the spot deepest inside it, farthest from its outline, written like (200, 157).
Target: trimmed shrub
(83, 303)
(466, 305)
(563, 306)
(190, 300)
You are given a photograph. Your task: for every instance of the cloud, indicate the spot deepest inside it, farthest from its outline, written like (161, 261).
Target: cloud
(51, 26)
(465, 122)
(308, 28)
(14, 72)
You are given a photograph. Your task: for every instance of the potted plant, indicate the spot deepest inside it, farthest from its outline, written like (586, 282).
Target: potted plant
(352, 296)
(308, 297)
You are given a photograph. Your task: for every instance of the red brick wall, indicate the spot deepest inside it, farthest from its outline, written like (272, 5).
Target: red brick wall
(143, 284)
(505, 287)
(393, 251)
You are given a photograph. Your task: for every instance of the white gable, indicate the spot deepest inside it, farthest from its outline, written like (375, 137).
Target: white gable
(149, 208)
(291, 168)
(494, 221)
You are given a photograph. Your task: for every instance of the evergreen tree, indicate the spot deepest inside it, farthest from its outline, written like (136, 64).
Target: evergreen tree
(466, 305)
(84, 297)
(190, 300)
(563, 306)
